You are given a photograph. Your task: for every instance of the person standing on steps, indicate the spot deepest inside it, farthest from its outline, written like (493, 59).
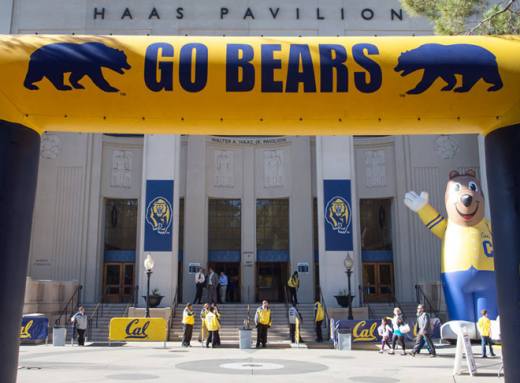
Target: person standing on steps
(200, 280)
(263, 322)
(81, 322)
(319, 317)
(293, 315)
(212, 286)
(294, 284)
(188, 320)
(223, 285)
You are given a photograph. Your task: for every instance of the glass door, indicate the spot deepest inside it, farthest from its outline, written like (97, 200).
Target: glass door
(378, 282)
(271, 280)
(118, 282)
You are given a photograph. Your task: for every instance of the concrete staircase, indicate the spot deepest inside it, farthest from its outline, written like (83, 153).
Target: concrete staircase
(233, 316)
(107, 311)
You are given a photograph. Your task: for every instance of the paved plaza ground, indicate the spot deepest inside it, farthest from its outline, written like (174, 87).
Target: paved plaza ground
(151, 362)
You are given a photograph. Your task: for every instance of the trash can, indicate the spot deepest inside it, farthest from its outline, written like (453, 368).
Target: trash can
(344, 341)
(245, 338)
(59, 334)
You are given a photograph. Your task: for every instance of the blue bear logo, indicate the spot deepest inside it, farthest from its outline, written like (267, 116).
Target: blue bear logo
(471, 62)
(54, 60)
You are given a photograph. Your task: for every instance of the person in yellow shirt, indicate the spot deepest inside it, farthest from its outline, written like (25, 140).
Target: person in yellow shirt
(484, 328)
(188, 320)
(294, 283)
(319, 317)
(203, 329)
(467, 258)
(213, 325)
(263, 322)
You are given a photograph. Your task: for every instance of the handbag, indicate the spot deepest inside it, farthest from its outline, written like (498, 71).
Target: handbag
(405, 329)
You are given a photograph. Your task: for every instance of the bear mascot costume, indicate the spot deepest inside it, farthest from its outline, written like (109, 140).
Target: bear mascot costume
(467, 264)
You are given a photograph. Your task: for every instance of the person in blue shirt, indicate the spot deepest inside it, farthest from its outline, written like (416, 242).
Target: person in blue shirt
(223, 283)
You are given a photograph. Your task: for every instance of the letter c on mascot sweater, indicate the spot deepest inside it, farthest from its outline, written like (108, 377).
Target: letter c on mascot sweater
(467, 264)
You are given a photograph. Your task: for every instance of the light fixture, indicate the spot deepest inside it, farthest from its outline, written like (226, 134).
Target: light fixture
(349, 263)
(148, 263)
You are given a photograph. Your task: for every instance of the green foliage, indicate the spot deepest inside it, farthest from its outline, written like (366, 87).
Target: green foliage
(455, 17)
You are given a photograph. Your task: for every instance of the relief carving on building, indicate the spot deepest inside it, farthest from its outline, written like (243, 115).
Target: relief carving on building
(375, 163)
(50, 147)
(273, 168)
(446, 147)
(224, 168)
(121, 169)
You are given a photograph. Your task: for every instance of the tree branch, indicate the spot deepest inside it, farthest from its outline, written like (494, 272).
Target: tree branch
(482, 22)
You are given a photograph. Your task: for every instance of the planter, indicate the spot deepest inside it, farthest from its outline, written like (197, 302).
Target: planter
(343, 300)
(154, 300)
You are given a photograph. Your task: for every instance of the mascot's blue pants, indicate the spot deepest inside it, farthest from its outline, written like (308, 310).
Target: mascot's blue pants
(468, 292)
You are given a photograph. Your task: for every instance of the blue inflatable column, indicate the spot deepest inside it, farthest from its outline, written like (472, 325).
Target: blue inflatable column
(503, 174)
(19, 154)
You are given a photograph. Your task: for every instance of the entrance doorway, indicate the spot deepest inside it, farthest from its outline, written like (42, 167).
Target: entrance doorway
(376, 249)
(271, 278)
(232, 270)
(119, 250)
(378, 282)
(119, 282)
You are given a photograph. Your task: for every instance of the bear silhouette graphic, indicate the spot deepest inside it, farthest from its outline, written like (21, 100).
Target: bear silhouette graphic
(471, 62)
(53, 61)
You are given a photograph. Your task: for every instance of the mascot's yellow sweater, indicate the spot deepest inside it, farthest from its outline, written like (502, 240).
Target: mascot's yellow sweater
(463, 247)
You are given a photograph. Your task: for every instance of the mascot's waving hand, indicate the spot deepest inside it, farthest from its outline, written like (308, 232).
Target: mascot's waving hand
(467, 265)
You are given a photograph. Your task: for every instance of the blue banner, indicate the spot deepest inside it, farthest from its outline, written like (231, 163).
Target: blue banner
(337, 200)
(158, 215)
(34, 328)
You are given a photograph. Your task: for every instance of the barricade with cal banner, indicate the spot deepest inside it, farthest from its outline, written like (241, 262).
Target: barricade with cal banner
(365, 331)
(138, 329)
(34, 328)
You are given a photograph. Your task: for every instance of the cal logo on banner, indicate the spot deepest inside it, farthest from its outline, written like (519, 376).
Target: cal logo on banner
(138, 329)
(34, 328)
(158, 215)
(337, 199)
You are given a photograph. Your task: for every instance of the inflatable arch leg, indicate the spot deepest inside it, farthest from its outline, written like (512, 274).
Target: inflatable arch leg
(503, 162)
(19, 154)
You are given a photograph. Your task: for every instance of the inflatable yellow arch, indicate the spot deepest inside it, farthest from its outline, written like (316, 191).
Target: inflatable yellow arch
(260, 85)
(257, 86)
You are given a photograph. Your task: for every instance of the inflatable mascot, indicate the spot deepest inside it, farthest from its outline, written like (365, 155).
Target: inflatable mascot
(467, 265)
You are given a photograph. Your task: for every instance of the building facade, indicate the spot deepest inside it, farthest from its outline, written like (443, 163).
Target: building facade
(250, 206)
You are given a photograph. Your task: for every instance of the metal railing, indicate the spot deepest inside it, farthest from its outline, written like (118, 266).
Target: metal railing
(422, 298)
(174, 302)
(327, 317)
(93, 319)
(70, 307)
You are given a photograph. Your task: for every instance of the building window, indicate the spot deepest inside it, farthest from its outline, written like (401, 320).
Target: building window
(376, 227)
(272, 224)
(120, 224)
(224, 224)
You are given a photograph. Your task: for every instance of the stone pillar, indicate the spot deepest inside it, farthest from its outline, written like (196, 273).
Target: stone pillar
(502, 163)
(19, 156)
(161, 156)
(195, 214)
(335, 161)
(248, 223)
(300, 217)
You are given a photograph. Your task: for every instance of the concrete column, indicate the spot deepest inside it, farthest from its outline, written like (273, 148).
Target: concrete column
(6, 16)
(335, 161)
(300, 217)
(248, 261)
(161, 155)
(195, 213)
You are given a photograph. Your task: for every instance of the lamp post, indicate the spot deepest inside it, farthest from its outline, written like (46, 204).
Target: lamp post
(349, 263)
(148, 265)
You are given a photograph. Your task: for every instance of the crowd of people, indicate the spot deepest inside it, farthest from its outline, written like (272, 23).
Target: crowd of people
(220, 288)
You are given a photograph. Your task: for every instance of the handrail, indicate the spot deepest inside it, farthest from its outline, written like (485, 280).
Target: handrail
(69, 310)
(419, 293)
(91, 318)
(174, 303)
(327, 317)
